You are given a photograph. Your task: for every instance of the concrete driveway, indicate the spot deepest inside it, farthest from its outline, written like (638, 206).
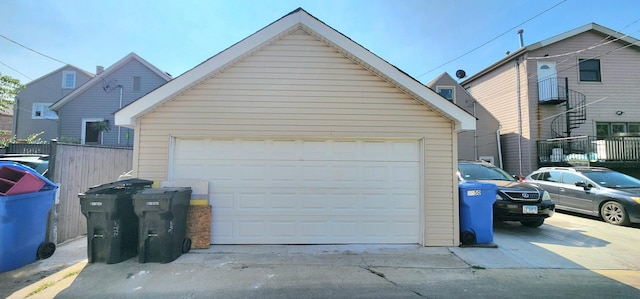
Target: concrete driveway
(569, 256)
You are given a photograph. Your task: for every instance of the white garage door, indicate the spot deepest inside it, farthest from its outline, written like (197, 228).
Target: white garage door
(306, 192)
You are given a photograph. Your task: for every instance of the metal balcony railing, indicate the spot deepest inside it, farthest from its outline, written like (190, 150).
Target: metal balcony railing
(590, 149)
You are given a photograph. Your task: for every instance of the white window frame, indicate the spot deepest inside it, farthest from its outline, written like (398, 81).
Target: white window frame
(64, 79)
(45, 112)
(453, 92)
(83, 133)
(489, 159)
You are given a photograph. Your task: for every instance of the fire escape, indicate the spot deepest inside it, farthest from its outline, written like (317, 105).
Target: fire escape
(552, 92)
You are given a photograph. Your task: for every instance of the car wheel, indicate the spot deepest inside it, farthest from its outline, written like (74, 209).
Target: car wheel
(532, 223)
(614, 213)
(186, 245)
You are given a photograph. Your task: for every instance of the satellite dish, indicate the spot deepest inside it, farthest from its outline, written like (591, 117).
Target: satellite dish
(461, 74)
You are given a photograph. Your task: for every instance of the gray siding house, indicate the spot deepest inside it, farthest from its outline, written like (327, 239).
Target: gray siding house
(31, 112)
(86, 114)
(483, 143)
(306, 137)
(572, 99)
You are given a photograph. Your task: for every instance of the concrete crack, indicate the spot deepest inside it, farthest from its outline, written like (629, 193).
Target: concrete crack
(381, 275)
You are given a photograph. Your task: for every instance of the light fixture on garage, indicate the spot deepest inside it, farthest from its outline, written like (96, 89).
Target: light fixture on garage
(619, 112)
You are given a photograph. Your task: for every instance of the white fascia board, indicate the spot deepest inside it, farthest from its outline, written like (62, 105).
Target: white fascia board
(127, 116)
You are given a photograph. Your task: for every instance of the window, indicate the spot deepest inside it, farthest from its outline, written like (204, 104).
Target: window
(607, 129)
(92, 129)
(68, 79)
(572, 179)
(553, 176)
(446, 92)
(136, 83)
(589, 70)
(41, 111)
(617, 128)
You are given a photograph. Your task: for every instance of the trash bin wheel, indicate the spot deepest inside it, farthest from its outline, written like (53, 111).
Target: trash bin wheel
(46, 250)
(186, 245)
(468, 238)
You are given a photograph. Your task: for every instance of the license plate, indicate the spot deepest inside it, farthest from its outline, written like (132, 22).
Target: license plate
(530, 209)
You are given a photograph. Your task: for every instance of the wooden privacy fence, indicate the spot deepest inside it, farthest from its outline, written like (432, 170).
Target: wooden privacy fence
(76, 168)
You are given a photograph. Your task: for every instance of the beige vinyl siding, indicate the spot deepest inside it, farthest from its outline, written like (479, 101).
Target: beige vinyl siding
(299, 87)
(619, 89)
(497, 93)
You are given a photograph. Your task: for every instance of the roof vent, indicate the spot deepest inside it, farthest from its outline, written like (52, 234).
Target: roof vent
(520, 32)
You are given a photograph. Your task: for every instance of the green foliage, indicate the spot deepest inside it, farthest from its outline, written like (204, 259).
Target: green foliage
(101, 126)
(69, 140)
(6, 139)
(9, 88)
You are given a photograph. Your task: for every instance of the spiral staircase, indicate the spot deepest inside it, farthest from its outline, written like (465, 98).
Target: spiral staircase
(555, 91)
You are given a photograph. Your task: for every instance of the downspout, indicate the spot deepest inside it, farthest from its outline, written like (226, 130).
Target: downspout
(475, 133)
(120, 107)
(499, 146)
(519, 117)
(16, 115)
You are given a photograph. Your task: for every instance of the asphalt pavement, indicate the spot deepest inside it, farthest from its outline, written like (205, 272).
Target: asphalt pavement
(549, 262)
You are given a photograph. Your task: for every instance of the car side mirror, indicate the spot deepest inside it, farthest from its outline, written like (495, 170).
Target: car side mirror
(584, 185)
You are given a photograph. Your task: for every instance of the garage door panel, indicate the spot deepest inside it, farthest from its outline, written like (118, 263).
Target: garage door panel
(304, 192)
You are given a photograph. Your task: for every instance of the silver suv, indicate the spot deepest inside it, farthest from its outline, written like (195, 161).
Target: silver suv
(596, 191)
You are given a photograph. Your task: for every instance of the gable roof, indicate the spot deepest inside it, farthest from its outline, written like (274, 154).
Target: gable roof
(58, 70)
(624, 38)
(298, 18)
(106, 73)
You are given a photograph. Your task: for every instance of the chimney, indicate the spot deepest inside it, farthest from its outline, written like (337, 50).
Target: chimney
(99, 69)
(521, 39)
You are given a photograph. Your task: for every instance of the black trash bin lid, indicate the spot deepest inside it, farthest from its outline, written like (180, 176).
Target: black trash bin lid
(117, 186)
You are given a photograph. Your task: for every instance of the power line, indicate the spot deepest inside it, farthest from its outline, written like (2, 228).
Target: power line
(585, 49)
(499, 36)
(17, 71)
(32, 50)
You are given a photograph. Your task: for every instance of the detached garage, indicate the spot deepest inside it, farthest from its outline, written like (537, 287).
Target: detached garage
(305, 137)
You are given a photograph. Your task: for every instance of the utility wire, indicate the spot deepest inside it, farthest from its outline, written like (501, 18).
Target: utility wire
(585, 49)
(17, 71)
(491, 40)
(32, 50)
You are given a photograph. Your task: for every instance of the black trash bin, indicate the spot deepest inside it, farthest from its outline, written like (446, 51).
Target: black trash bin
(163, 223)
(112, 225)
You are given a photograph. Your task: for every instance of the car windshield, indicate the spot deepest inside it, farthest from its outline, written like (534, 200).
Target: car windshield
(483, 172)
(612, 179)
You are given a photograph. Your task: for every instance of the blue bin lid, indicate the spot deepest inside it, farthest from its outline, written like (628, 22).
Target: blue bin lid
(48, 185)
(464, 185)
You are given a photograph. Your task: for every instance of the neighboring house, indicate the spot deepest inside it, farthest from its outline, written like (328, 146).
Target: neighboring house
(31, 111)
(483, 143)
(6, 121)
(306, 137)
(571, 99)
(86, 114)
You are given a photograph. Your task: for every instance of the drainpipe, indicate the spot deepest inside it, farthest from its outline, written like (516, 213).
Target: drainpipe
(120, 107)
(475, 134)
(499, 146)
(519, 117)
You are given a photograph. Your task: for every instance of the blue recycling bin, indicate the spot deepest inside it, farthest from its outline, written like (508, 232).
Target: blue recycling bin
(476, 212)
(23, 220)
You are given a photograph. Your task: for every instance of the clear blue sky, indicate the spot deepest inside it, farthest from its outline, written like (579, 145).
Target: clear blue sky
(420, 37)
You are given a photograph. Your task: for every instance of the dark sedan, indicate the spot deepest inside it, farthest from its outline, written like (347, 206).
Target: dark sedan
(515, 201)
